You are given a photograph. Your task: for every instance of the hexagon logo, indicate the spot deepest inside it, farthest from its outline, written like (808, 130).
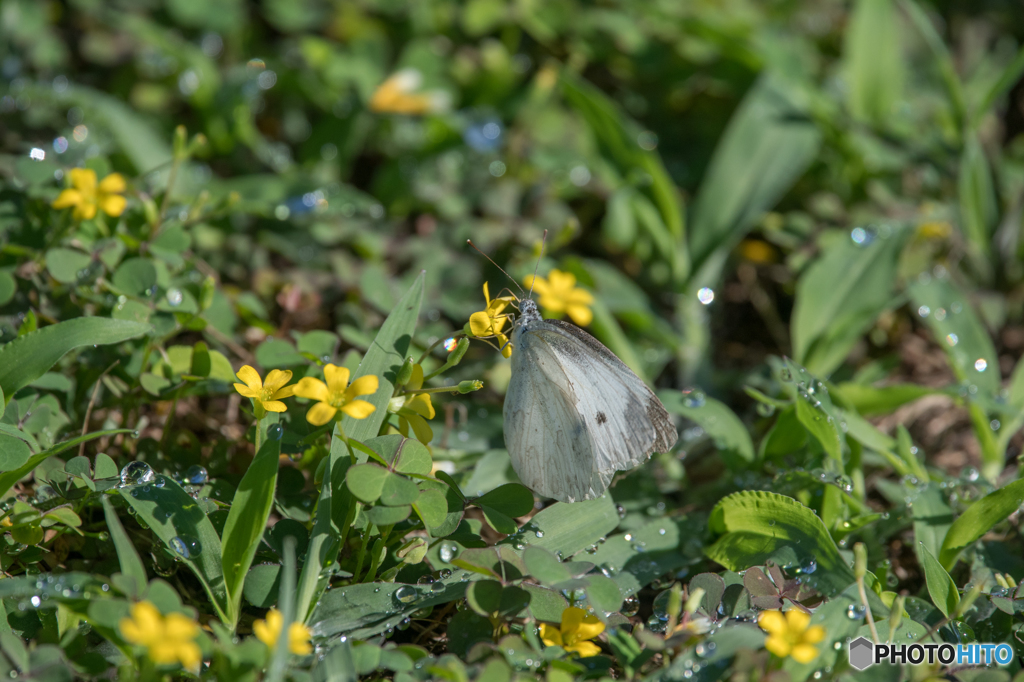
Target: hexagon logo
(862, 653)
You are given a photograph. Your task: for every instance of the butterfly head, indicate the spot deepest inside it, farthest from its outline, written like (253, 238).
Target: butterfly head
(528, 311)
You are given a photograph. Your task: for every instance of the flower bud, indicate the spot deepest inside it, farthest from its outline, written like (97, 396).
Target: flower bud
(404, 373)
(470, 386)
(860, 560)
(455, 357)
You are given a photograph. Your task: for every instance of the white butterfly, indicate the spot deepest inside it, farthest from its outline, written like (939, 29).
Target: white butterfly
(574, 413)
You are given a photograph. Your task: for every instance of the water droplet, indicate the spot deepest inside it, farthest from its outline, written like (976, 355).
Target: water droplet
(450, 344)
(786, 375)
(621, 511)
(630, 606)
(175, 297)
(765, 409)
(706, 295)
(952, 339)
(196, 475)
(425, 580)
(275, 432)
(406, 594)
(447, 551)
(809, 565)
(36, 600)
(135, 473)
(445, 573)
(656, 625)
(855, 611)
(661, 531)
(980, 365)
(693, 398)
(628, 537)
(180, 547)
(539, 533)
(970, 474)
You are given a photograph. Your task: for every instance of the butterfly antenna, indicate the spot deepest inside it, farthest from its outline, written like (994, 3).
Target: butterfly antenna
(470, 242)
(533, 281)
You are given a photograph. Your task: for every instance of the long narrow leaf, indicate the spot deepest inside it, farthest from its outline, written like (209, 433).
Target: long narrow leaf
(131, 562)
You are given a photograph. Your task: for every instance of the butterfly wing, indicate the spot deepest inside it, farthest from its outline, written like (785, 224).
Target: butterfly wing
(625, 421)
(544, 432)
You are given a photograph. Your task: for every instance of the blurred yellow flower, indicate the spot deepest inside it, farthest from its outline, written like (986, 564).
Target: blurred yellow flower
(336, 395)
(757, 251)
(266, 396)
(168, 639)
(789, 634)
(267, 631)
(577, 627)
(490, 321)
(416, 410)
(934, 229)
(558, 294)
(86, 196)
(397, 95)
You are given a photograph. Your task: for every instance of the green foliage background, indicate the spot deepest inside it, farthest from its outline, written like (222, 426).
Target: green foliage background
(801, 224)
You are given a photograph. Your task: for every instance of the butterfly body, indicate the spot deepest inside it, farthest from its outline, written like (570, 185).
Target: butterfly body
(574, 413)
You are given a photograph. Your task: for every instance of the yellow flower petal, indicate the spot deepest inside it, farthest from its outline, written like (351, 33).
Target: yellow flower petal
(274, 406)
(581, 315)
(67, 198)
(579, 297)
(552, 302)
(190, 655)
(797, 620)
(561, 281)
(282, 393)
(180, 626)
(814, 634)
(164, 652)
(112, 204)
(250, 377)
(550, 635)
(584, 649)
(420, 428)
(422, 406)
(537, 284)
(298, 639)
(778, 645)
(85, 210)
(589, 628)
(277, 378)
(320, 414)
(337, 378)
(415, 382)
(804, 653)
(247, 392)
(311, 388)
(83, 179)
(113, 184)
(480, 324)
(358, 409)
(772, 622)
(363, 386)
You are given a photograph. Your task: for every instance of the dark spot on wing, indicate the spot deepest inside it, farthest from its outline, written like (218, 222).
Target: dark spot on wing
(601, 419)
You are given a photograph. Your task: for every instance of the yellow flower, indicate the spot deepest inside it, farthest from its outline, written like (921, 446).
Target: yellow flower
(336, 395)
(397, 95)
(490, 321)
(788, 634)
(934, 229)
(577, 627)
(558, 294)
(267, 631)
(266, 396)
(168, 639)
(85, 195)
(416, 409)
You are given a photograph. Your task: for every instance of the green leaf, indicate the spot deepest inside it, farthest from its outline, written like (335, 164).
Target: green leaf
(769, 142)
(841, 294)
(65, 264)
(14, 452)
(728, 433)
(384, 359)
(941, 587)
(466, 629)
(366, 481)
(872, 61)
(9, 478)
(432, 508)
(262, 585)
(753, 525)
(979, 518)
(569, 528)
(511, 499)
(871, 400)
(247, 520)
(545, 604)
(942, 58)
(8, 287)
(135, 276)
(181, 524)
(28, 357)
(397, 490)
(603, 594)
(932, 519)
(484, 596)
(131, 562)
(388, 516)
(545, 566)
(978, 203)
